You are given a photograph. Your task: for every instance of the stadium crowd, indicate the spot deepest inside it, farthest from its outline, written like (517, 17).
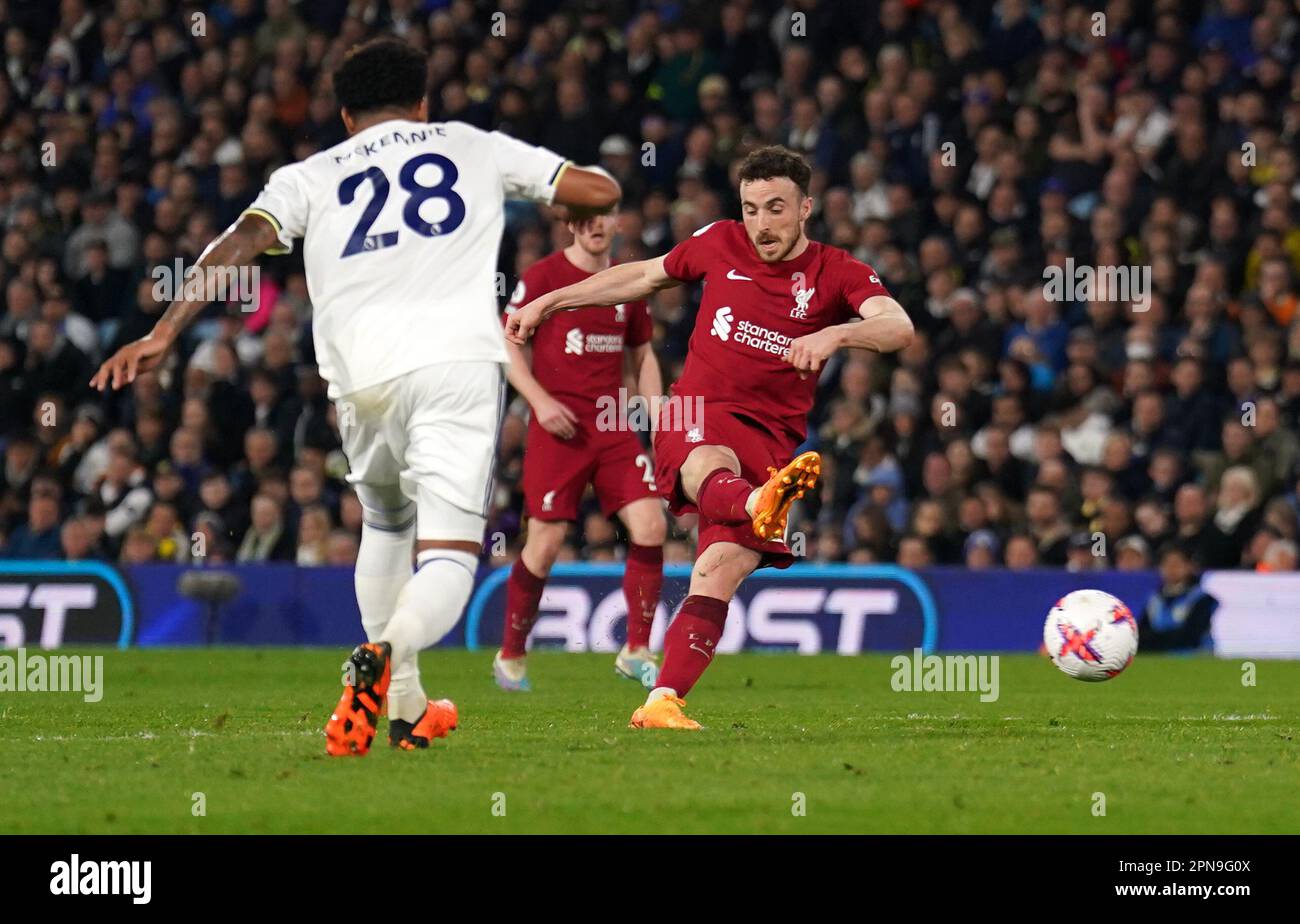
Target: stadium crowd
(958, 148)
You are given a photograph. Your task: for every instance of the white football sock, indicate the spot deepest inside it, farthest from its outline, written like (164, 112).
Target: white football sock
(428, 607)
(406, 697)
(382, 570)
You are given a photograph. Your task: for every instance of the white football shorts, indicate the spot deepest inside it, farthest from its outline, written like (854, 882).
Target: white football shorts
(425, 443)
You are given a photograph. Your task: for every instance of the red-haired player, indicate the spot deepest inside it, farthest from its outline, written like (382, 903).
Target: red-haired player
(576, 437)
(775, 307)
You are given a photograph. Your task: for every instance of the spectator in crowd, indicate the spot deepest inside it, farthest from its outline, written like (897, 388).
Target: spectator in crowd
(341, 549)
(1177, 617)
(38, 538)
(313, 536)
(163, 524)
(1047, 527)
(123, 490)
(210, 542)
(1236, 515)
(267, 538)
(982, 550)
(1280, 555)
(1082, 554)
(1133, 553)
(76, 540)
(138, 547)
(1021, 552)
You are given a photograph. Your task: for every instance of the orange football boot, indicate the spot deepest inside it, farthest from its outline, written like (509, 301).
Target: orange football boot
(351, 727)
(665, 712)
(440, 717)
(780, 491)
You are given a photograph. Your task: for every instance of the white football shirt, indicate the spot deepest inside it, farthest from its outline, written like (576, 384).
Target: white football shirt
(401, 225)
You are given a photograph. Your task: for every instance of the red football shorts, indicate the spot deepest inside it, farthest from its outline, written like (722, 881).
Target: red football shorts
(756, 446)
(557, 472)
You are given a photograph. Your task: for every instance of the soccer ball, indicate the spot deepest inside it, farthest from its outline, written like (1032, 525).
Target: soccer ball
(1091, 635)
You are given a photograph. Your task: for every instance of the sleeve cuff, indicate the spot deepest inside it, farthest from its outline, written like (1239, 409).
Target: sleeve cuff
(286, 245)
(554, 182)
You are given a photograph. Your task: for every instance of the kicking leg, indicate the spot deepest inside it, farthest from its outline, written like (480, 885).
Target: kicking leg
(693, 636)
(523, 595)
(711, 478)
(643, 579)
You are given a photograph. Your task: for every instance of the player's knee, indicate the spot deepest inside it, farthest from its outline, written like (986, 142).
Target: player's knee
(702, 461)
(650, 529)
(542, 547)
(540, 559)
(385, 507)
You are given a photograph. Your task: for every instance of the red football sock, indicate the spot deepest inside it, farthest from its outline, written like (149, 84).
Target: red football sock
(643, 579)
(523, 594)
(691, 639)
(722, 497)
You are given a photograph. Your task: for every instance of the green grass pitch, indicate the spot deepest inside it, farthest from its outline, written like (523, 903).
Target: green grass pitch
(1175, 745)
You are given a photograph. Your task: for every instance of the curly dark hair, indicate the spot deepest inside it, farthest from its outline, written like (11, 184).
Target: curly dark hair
(380, 74)
(773, 161)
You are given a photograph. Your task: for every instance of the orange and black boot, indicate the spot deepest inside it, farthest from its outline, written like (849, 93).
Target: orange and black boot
(351, 727)
(781, 490)
(440, 717)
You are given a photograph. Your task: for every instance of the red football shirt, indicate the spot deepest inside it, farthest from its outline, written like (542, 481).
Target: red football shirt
(578, 354)
(752, 310)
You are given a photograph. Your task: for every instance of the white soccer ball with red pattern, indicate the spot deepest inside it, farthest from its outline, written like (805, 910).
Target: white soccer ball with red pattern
(1091, 635)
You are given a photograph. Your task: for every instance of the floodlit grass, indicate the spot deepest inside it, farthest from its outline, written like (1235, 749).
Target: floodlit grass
(1175, 745)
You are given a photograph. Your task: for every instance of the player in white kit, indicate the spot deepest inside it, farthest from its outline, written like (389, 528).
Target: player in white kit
(401, 225)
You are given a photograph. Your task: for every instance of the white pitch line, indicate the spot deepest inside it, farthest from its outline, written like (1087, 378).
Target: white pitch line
(192, 733)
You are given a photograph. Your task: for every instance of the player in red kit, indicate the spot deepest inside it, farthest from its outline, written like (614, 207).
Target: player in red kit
(775, 307)
(575, 438)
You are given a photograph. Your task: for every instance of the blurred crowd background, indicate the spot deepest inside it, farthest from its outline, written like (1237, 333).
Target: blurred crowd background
(959, 148)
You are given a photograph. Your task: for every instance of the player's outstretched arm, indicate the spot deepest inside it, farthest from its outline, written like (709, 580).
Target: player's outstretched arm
(586, 191)
(239, 245)
(884, 328)
(626, 282)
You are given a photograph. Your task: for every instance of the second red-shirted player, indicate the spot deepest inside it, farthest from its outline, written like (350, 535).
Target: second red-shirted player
(575, 371)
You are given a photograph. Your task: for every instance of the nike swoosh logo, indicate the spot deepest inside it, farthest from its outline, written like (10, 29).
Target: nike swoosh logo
(732, 274)
(706, 654)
